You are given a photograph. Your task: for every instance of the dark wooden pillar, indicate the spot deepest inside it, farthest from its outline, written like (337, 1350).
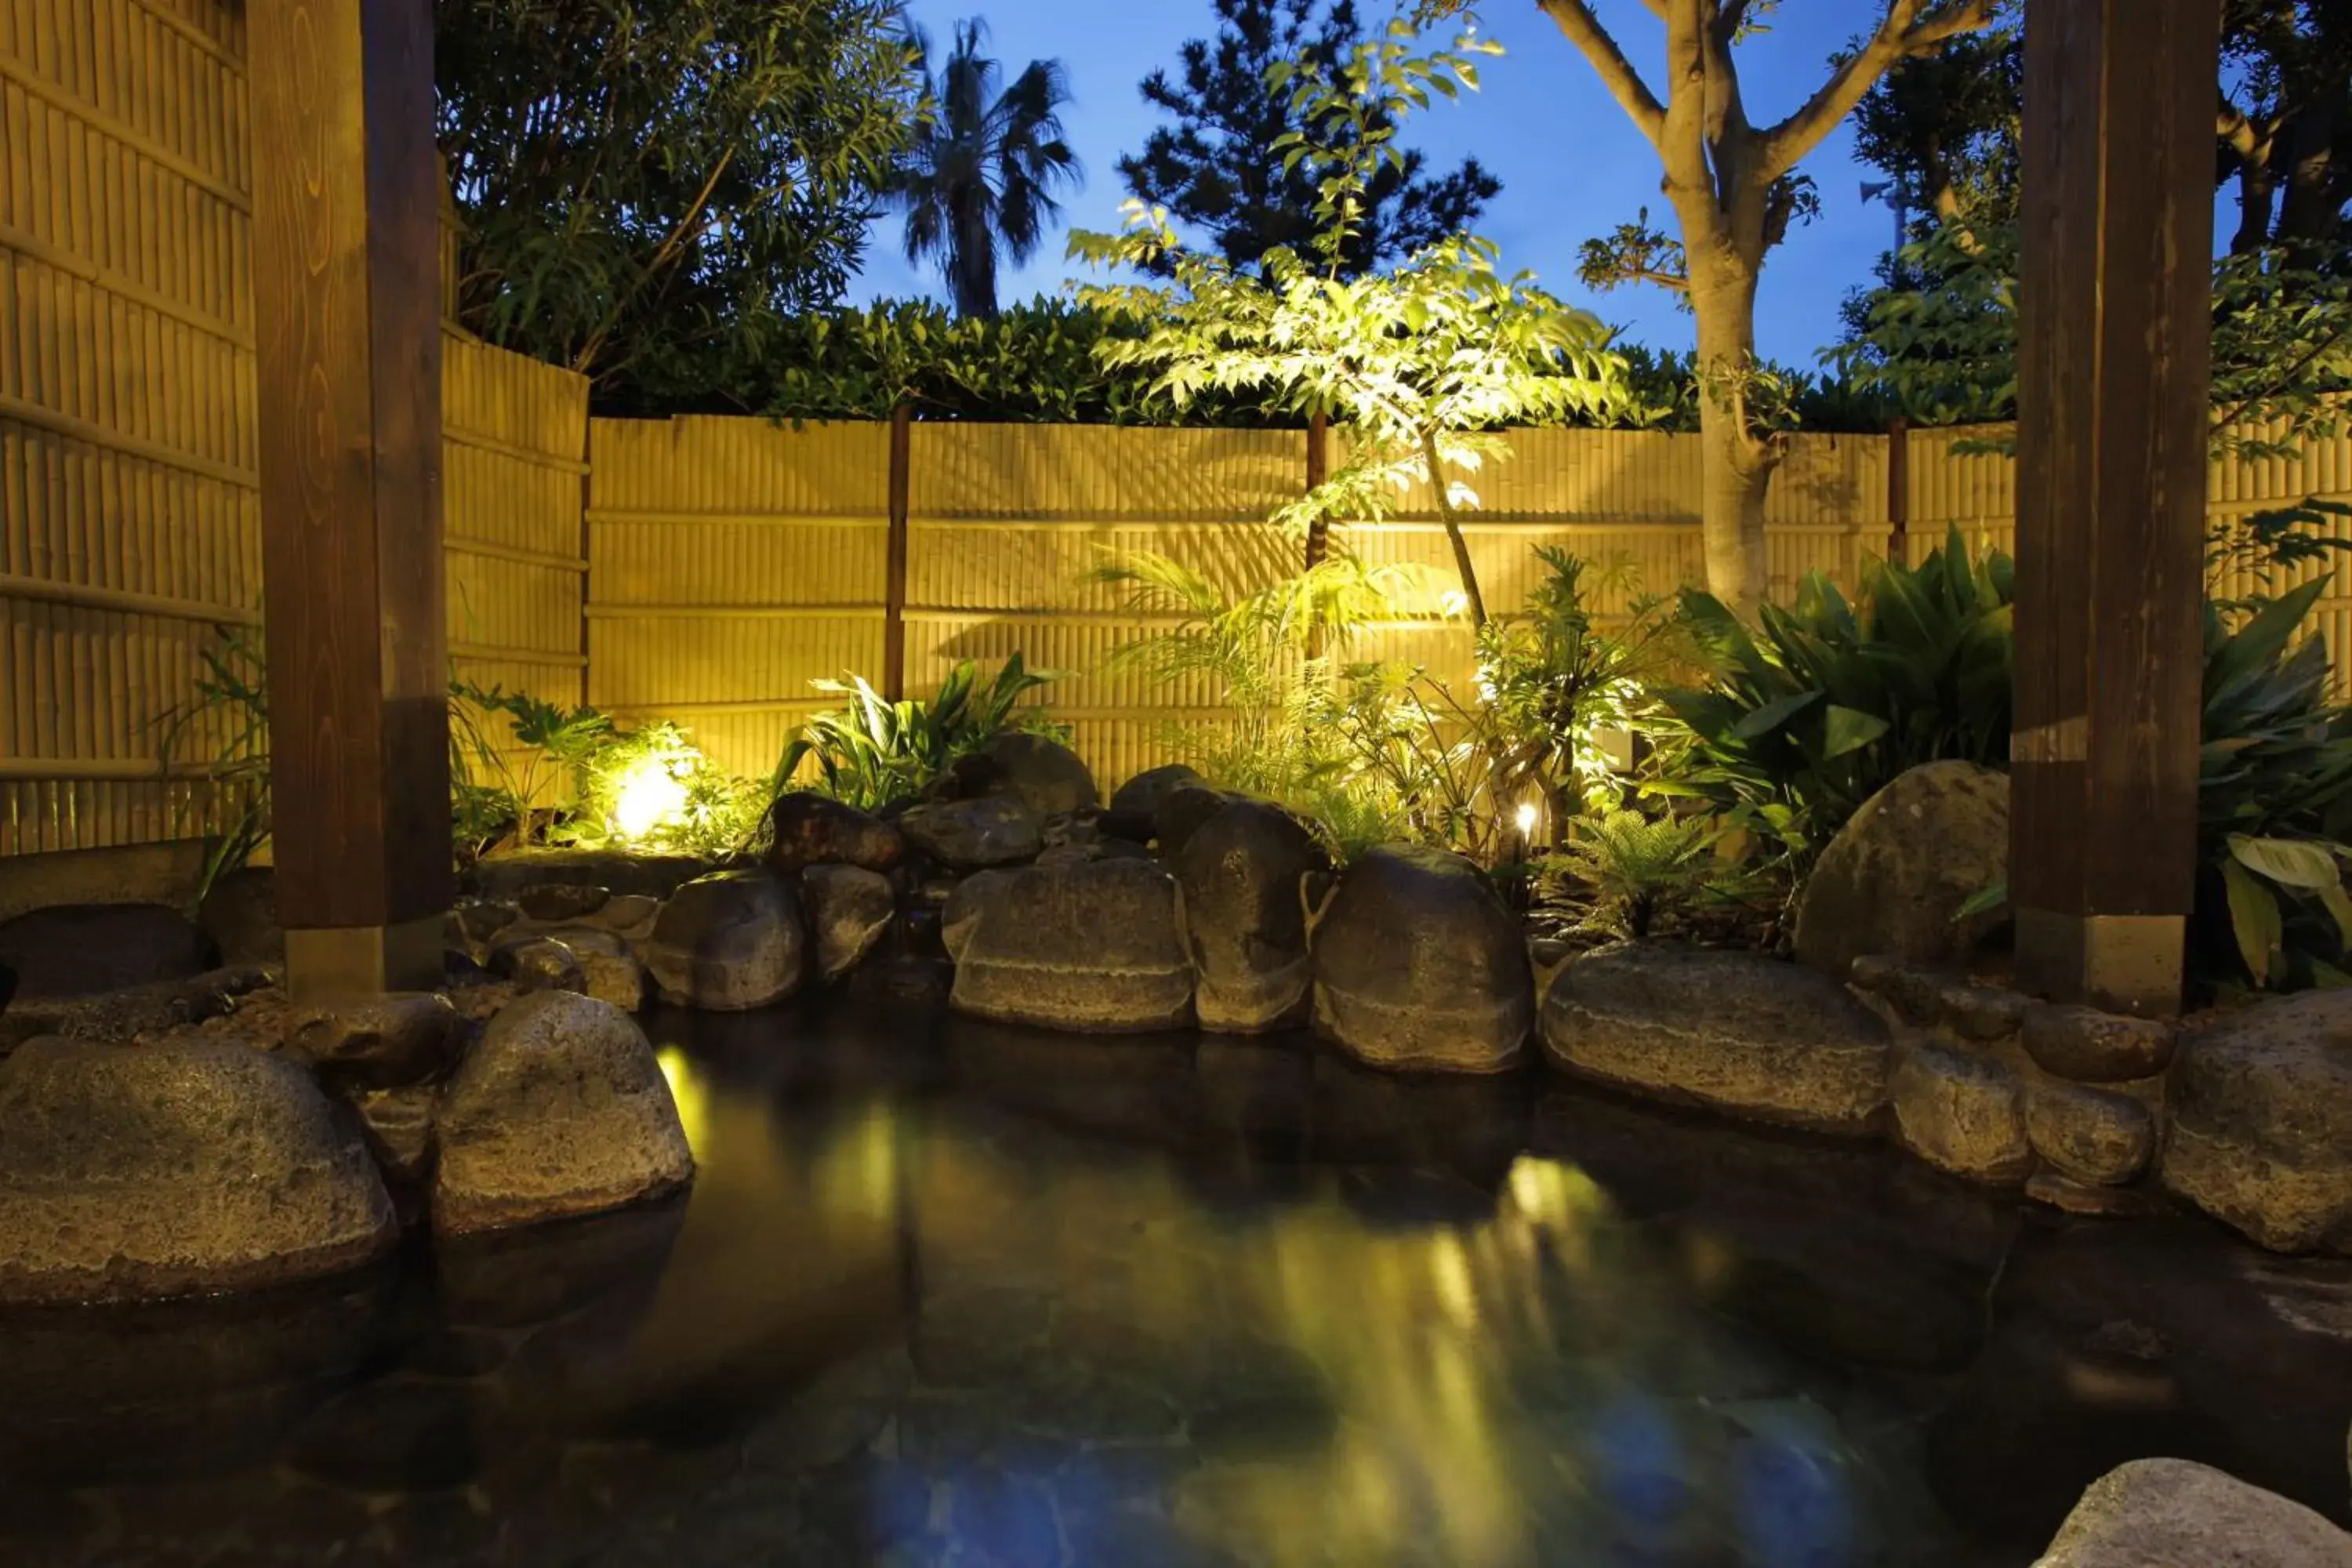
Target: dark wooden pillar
(346, 277)
(2112, 416)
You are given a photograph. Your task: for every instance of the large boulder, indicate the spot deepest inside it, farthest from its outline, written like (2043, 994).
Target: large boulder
(1893, 879)
(1183, 809)
(817, 830)
(1134, 810)
(728, 941)
(1419, 967)
(75, 949)
(193, 1164)
(609, 970)
(975, 835)
(1243, 924)
(850, 910)
(560, 1109)
(2170, 1513)
(2093, 1135)
(1091, 945)
(1041, 773)
(2261, 1121)
(1736, 1032)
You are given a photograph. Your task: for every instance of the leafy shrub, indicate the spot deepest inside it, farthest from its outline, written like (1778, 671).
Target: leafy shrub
(2273, 802)
(1821, 706)
(873, 750)
(652, 788)
(1635, 867)
(504, 789)
(232, 701)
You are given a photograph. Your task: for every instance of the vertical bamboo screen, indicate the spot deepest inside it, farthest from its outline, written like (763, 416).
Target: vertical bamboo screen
(1975, 491)
(732, 561)
(129, 537)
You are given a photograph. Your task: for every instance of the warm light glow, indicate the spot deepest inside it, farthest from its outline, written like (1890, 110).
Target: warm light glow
(1527, 814)
(691, 1096)
(649, 794)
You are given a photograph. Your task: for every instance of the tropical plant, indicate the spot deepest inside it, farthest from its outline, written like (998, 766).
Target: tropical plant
(1220, 168)
(229, 716)
(651, 788)
(1818, 707)
(2275, 799)
(505, 788)
(1421, 362)
(647, 186)
(980, 177)
(872, 750)
(1631, 867)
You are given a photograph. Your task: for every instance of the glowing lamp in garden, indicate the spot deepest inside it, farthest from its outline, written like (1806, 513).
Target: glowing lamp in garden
(651, 794)
(1528, 817)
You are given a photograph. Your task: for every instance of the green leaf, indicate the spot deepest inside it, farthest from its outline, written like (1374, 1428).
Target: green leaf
(1850, 729)
(2290, 862)
(1993, 896)
(1774, 715)
(2254, 920)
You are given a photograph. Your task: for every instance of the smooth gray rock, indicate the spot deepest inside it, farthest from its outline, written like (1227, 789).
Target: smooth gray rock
(2170, 1513)
(2093, 1135)
(850, 910)
(1735, 1032)
(2087, 1046)
(193, 1164)
(1040, 771)
(79, 950)
(1963, 1114)
(2260, 1124)
(1091, 946)
(975, 835)
(1134, 810)
(1237, 879)
(817, 830)
(609, 969)
(1893, 881)
(1419, 967)
(381, 1041)
(728, 941)
(560, 1109)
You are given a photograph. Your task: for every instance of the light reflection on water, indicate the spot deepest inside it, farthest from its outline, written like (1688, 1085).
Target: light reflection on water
(977, 1295)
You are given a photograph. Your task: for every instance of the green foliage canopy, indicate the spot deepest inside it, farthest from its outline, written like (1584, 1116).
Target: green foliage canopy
(648, 187)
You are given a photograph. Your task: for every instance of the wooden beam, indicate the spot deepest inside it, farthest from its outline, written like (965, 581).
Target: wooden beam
(894, 589)
(346, 276)
(2114, 296)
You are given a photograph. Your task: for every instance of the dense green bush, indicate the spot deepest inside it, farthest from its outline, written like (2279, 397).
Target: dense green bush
(1805, 716)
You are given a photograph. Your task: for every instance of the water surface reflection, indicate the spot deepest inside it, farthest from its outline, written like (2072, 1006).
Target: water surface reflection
(954, 1293)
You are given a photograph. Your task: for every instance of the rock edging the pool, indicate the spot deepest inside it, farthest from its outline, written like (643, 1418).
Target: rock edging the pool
(1011, 897)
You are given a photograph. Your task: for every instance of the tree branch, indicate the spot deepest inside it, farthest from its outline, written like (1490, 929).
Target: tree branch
(1911, 27)
(1624, 83)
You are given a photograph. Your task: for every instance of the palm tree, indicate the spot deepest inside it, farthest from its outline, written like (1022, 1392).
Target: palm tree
(984, 167)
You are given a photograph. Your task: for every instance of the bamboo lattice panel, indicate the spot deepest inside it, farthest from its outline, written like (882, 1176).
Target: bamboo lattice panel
(129, 536)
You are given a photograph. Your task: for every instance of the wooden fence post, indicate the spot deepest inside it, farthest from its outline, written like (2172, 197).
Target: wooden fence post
(2113, 366)
(893, 592)
(347, 275)
(1898, 490)
(1318, 469)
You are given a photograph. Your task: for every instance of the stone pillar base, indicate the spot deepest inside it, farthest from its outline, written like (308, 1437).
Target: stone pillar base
(364, 960)
(2119, 963)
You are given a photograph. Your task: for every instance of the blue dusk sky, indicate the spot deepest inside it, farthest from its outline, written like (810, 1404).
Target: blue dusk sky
(1571, 166)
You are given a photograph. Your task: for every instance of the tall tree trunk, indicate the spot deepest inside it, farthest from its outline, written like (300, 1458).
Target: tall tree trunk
(1463, 565)
(1735, 463)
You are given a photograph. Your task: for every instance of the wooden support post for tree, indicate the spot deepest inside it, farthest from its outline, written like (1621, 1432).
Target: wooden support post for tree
(2115, 297)
(347, 211)
(893, 590)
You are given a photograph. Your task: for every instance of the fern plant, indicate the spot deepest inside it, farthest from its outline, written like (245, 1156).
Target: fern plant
(230, 717)
(1635, 867)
